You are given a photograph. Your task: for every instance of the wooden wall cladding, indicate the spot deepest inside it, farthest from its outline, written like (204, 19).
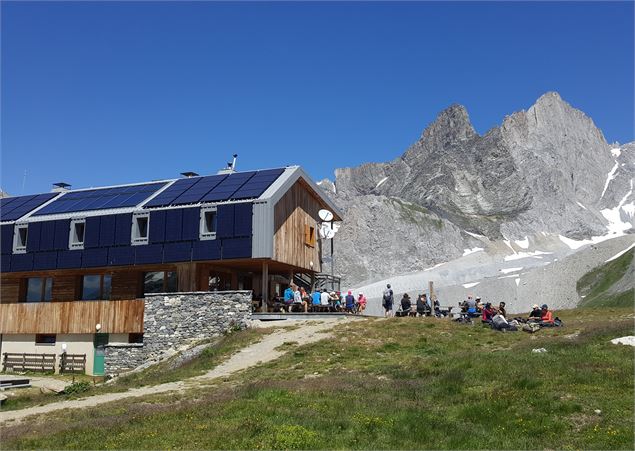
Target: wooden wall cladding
(79, 317)
(66, 288)
(126, 285)
(9, 290)
(297, 209)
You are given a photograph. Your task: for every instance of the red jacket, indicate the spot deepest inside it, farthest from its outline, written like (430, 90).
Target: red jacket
(547, 317)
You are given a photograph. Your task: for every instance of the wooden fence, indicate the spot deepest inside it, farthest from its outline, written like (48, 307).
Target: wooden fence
(68, 363)
(72, 363)
(29, 362)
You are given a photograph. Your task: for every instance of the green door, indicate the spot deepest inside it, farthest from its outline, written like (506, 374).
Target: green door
(100, 342)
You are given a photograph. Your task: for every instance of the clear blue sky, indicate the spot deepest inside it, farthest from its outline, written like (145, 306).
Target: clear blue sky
(106, 93)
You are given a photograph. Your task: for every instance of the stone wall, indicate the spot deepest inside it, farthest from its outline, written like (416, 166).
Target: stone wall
(172, 322)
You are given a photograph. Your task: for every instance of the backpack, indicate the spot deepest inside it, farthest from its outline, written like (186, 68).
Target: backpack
(531, 327)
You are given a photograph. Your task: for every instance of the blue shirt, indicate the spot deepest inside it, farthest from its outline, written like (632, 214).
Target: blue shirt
(288, 294)
(316, 298)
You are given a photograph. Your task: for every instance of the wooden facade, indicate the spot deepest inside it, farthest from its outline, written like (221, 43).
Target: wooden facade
(72, 317)
(294, 216)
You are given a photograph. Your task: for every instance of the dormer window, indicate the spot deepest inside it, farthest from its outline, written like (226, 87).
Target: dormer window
(20, 237)
(208, 223)
(140, 228)
(77, 232)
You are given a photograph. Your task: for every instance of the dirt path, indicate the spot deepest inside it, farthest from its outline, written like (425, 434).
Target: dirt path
(261, 352)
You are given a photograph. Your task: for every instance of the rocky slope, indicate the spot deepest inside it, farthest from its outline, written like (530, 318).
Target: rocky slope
(544, 170)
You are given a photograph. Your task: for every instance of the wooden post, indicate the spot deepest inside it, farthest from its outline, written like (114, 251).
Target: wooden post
(186, 275)
(265, 285)
(431, 290)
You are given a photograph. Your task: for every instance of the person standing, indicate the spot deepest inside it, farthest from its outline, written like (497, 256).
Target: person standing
(388, 300)
(350, 302)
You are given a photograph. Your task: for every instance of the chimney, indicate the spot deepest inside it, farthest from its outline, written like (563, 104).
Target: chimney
(231, 166)
(60, 187)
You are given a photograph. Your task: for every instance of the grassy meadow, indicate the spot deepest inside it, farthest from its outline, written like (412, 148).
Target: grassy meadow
(402, 383)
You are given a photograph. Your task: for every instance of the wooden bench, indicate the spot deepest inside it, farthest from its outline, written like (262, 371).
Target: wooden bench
(29, 362)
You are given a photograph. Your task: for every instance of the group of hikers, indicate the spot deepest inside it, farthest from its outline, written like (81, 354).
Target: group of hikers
(495, 317)
(333, 301)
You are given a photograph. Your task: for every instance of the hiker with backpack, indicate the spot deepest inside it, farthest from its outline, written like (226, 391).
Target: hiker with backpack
(387, 301)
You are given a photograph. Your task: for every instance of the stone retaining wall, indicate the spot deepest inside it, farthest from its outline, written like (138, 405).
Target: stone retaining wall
(174, 321)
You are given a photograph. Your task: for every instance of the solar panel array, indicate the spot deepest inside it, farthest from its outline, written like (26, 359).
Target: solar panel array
(217, 188)
(99, 199)
(12, 208)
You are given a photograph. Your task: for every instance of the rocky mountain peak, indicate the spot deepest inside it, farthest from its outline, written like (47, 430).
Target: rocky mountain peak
(451, 126)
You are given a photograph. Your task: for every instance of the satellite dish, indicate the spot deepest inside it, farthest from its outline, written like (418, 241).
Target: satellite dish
(325, 215)
(324, 228)
(330, 233)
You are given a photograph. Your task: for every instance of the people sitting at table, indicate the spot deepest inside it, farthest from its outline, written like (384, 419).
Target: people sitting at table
(325, 298)
(361, 301)
(288, 297)
(422, 304)
(406, 304)
(299, 300)
(487, 314)
(316, 297)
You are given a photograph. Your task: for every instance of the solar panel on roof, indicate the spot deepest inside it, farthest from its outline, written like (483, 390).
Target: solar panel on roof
(97, 199)
(225, 189)
(19, 206)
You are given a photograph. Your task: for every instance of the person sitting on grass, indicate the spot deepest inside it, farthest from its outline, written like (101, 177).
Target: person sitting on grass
(501, 309)
(546, 319)
(471, 307)
(488, 314)
(535, 314)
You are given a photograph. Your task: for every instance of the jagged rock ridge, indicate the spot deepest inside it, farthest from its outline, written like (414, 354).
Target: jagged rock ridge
(547, 169)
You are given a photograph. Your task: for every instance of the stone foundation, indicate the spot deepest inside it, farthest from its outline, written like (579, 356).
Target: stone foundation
(174, 321)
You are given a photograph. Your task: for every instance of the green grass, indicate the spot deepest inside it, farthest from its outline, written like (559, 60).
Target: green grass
(402, 383)
(219, 350)
(596, 285)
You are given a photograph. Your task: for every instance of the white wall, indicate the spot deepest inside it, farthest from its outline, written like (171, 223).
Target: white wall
(75, 344)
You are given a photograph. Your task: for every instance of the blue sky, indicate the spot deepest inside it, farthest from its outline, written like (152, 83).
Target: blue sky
(107, 93)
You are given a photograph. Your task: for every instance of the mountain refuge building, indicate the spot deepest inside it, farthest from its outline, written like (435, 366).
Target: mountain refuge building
(104, 279)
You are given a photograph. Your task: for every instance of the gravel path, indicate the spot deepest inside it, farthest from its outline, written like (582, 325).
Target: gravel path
(261, 352)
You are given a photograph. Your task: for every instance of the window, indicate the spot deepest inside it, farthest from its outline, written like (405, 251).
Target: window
(39, 289)
(208, 223)
(20, 238)
(135, 338)
(160, 282)
(96, 287)
(45, 339)
(76, 235)
(309, 235)
(140, 223)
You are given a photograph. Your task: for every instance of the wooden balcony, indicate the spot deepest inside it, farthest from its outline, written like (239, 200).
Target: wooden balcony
(76, 317)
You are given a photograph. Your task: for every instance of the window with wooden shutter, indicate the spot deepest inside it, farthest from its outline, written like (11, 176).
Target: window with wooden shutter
(309, 235)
